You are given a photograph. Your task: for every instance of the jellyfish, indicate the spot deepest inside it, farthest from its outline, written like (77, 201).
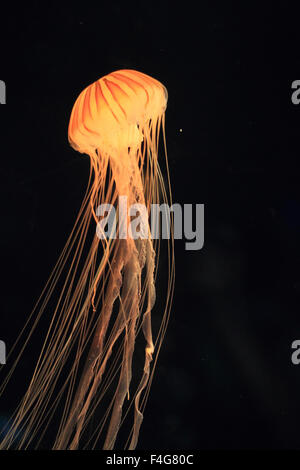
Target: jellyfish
(106, 287)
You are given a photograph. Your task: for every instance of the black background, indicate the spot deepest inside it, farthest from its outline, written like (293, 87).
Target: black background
(225, 377)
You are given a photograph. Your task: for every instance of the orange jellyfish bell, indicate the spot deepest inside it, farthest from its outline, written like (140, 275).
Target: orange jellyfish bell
(111, 113)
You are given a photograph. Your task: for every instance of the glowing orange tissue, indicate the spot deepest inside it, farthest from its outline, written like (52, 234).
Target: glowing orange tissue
(105, 286)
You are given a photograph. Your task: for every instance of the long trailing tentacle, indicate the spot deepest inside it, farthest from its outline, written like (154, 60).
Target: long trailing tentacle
(89, 287)
(130, 301)
(95, 356)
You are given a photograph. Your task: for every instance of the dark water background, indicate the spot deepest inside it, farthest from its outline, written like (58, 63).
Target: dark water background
(225, 377)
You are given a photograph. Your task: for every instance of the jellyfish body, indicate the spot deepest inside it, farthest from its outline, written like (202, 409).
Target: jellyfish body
(103, 307)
